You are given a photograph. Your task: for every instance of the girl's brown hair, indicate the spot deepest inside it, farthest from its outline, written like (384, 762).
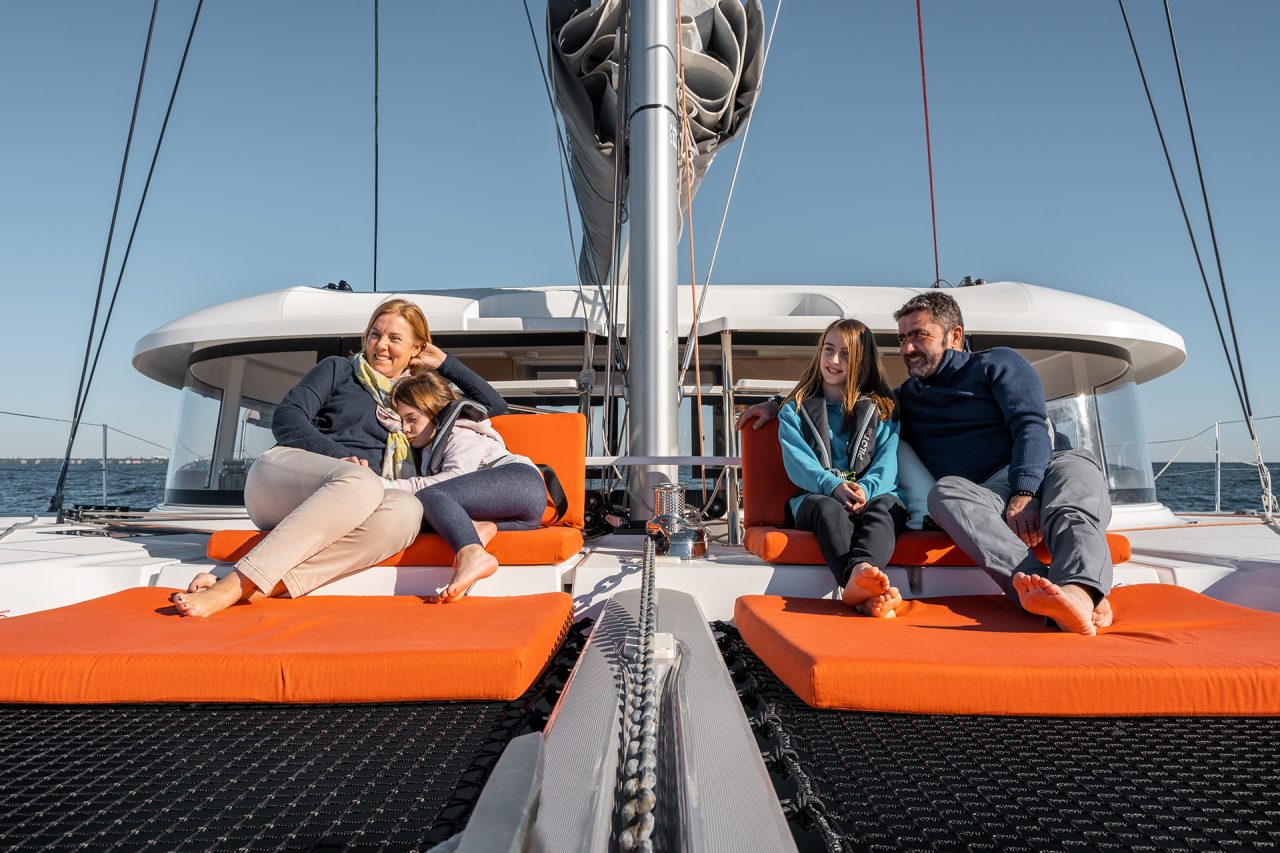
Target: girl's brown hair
(864, 377)
(425, 390)
(404, 308)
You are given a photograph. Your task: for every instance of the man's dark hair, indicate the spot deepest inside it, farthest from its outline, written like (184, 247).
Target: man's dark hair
(940, 307)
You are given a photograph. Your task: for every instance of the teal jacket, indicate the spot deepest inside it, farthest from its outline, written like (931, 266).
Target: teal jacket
(806, 472)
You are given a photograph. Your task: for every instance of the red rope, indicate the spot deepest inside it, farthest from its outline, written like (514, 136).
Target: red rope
(928, 147)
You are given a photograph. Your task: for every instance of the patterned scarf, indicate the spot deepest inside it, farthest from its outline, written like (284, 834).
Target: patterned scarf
(397, 453)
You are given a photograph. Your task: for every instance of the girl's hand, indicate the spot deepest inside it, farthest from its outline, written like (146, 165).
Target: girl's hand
(431, 357)
(850, 496)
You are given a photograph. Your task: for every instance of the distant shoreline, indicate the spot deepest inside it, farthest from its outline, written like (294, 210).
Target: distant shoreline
(91, 460)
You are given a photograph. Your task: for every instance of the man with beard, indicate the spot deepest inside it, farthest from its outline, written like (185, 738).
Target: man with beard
(978, 422)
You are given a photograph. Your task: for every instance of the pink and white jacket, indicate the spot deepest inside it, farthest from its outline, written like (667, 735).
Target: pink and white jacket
(472, 445)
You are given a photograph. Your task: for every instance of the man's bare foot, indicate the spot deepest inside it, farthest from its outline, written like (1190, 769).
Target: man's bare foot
(1069, 606)
(472, 564)
(882, 606)
(486, 530)
(1102, 615)
(216, 598)
(865, 582)
(204, 580)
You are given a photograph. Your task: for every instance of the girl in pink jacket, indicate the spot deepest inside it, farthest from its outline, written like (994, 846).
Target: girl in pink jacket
(469, 485)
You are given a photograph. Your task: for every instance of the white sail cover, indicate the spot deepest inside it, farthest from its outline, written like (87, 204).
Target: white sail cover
(723, 59)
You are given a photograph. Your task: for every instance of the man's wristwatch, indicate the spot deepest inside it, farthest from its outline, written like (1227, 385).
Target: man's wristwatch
(776, 399)
(1026, 493)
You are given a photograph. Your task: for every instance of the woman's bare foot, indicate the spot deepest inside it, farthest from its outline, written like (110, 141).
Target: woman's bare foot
(213, 599)
(204, 580)
(865, 582)
(1069, 606)
(881, 606)
(472, 564)
(486, 530)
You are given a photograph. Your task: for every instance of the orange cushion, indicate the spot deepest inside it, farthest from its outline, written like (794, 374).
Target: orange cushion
(1170, 651)
(914, 548)
(133, 647)
(765, 485)
(558, 440)
(544, 546)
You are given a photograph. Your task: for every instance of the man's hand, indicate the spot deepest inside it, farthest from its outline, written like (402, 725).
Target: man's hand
(431, 357)
(1022, 514)
(357, 460)
(761, 413)
(851, 496)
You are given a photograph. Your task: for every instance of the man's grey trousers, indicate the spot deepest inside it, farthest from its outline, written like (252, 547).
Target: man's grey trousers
(1075, 508)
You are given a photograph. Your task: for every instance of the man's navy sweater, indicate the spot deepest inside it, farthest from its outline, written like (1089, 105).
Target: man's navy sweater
(979, 412)
(329, 412)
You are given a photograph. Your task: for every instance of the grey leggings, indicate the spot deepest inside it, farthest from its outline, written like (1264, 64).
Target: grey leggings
(512, 495)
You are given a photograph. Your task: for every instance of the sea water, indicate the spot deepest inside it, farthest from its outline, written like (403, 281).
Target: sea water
(26, 488)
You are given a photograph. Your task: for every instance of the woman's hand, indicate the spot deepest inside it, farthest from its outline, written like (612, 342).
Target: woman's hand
(431, 357)
(357, 460)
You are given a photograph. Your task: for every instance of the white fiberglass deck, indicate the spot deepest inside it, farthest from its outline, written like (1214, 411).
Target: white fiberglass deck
(1232, 558)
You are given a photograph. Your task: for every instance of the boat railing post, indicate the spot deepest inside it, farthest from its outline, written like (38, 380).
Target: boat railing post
(1217, 466)
(730, 435)
(104, 464)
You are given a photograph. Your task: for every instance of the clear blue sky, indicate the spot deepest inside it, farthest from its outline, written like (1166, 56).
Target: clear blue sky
(1046, 165)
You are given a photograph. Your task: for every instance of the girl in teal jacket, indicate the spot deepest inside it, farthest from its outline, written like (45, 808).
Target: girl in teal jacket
(839, 435)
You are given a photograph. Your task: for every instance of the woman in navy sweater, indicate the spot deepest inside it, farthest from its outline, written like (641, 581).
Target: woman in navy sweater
(321, 490)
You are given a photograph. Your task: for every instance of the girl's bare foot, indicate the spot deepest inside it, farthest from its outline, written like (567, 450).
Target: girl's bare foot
(881, 606)
(1069, 606)
(204, 580)
(213, 599)
(865, 582)
(472, 564)
(486, 530)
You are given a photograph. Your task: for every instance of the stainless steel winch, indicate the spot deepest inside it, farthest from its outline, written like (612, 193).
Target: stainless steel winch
(673, 530)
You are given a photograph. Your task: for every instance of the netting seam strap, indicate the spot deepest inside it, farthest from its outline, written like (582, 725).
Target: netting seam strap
(809, 805)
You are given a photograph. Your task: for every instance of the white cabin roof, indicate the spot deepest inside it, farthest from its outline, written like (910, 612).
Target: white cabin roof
(995, 310)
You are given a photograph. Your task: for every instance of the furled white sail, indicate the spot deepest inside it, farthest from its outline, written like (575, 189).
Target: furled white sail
(723, 59)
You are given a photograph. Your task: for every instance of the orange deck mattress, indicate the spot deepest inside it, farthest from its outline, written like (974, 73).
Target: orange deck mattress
(133, 647)
(1170, 651)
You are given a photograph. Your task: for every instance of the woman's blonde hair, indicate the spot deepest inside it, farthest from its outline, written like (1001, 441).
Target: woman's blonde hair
(411, 313)
(864, 376)
(425, 390)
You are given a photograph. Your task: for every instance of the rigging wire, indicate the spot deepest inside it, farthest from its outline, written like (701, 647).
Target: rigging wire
(928, 145)
(87, 423)
(724, 213)
(561, 151)
(691, 345)
(610, 311)
(614, 345)
(1234, 366)
(142, 201)
(688, 149)
(613, 442)
(1208, 214)
(55, 503)
(375, 145)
